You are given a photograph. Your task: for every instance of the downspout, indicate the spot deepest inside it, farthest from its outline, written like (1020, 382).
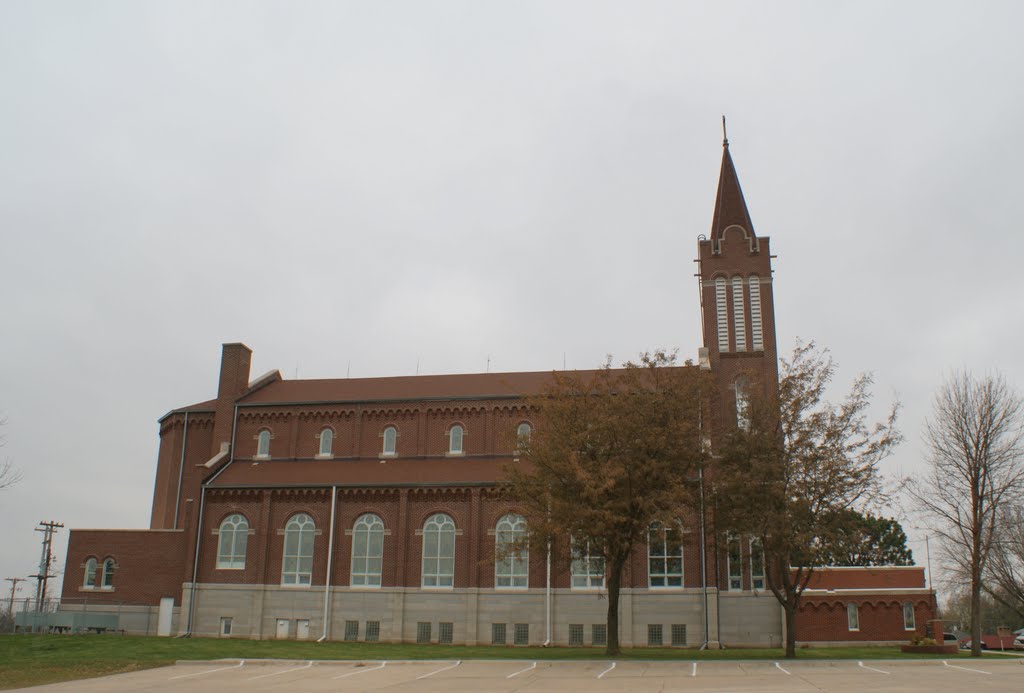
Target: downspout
(703, 561)
(181, 471)
(330, 562)
(195, 563)
(547, 600)
(199, 525)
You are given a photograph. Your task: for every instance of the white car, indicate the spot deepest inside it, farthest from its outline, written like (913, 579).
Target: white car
(1018, 643)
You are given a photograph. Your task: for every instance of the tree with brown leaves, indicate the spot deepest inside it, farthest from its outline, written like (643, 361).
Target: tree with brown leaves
(613, 453)
(789, 475)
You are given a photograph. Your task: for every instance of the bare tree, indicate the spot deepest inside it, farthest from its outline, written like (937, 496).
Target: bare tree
(1004, 574)
(975, 443)
(9, 474)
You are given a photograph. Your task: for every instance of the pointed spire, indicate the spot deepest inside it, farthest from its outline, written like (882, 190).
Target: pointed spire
(730, 207)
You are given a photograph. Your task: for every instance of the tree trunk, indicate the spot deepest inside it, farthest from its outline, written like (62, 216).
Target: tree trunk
(975, 606)
(790, 609)
(614, 583)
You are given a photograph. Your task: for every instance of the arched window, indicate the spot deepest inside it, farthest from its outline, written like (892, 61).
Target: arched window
(735, 563)
(367, 550)
(587, 570)
(108, 573)
(664, 556)
(263, 443)
(742, 404)
(390, 440)
(756, 564)
(523, 433)
(908, 616)
(232, 539)
(511, 561)
(90, 573)
(438, 551)
(455, 434)
(756, 329)
(326, 442)
(722, 311)
(297, 568)
(739, 321)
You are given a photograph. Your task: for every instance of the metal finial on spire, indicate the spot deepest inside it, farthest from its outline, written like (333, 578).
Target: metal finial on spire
(725, 137)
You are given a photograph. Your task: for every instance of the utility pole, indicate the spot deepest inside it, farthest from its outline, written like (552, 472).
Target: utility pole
(45, 560)
(14, 588)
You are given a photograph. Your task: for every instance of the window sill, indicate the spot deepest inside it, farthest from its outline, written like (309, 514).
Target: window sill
(511, 588)
(97, 588)
(387, 455)
(364, 587)
(324, 457)
(230, 567)
(297, 587)
(454, 454)
(437, 587)
(260, 458)
(666, 588)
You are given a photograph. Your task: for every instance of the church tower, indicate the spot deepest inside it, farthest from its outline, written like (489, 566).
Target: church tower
(737, 309)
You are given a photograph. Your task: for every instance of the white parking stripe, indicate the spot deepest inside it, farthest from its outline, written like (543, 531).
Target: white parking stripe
(361, 671)
(954, 666)
(439, 670)
(278, 673)
(532, 666)
(606, 670)
(872, 668)
(211, 671)
(777, 666)
(693, 672)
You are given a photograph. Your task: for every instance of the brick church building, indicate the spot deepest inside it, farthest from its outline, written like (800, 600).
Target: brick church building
(367, 509)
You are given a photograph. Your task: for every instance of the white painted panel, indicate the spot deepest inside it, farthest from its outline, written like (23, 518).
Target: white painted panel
(755, 314)
(283, 628)
(166, 614)
(722, 311)
(302, 629)
(738, 314)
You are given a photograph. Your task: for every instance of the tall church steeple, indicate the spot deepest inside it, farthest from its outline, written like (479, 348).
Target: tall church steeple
(737, 307)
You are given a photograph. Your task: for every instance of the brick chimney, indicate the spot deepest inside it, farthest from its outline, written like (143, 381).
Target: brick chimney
(234, 381)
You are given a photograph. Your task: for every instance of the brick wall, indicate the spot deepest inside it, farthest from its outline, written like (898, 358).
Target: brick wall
(148, 565)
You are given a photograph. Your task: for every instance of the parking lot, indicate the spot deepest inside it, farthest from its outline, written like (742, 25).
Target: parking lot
(563, 676)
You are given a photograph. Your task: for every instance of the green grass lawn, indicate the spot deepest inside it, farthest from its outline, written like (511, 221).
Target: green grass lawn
(27, 660)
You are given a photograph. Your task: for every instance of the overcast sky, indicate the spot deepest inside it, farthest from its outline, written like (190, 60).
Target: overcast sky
(364, 187)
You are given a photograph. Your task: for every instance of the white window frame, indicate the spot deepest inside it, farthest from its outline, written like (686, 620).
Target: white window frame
(511, 568)
(454, 449)
(524, 431)
(367, 563)
(389, 446)
(734, 563)
(107, 576)
(587, 571)
(438, 566)
(296, 530)
(756, 324)
(722, 313)
(852, 616)
(908, 609)
(225, 626)
(738, 314)
(756, 577)
(661, 538)
(263, 444)
(742, 389)
(89, 579)
(326, 436)
(232, 542)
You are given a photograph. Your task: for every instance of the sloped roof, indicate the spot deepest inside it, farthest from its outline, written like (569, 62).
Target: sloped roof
(402, 388)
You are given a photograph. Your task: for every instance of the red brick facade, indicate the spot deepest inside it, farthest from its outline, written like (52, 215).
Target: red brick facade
(209, 467)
